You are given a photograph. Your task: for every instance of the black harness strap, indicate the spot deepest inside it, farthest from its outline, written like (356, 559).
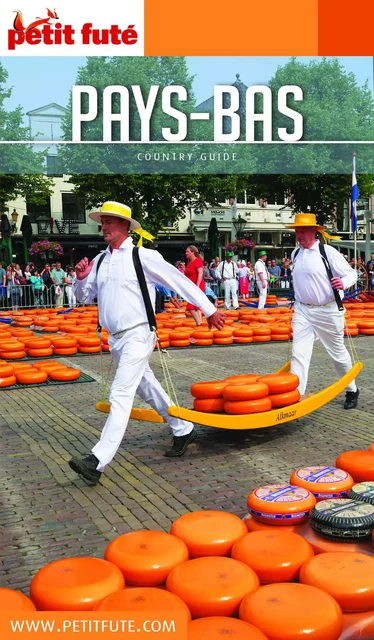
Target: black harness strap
(330, 274)
(143, 287)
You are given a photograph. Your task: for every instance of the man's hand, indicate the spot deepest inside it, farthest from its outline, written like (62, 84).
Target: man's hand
(337, 283)
(217, 320)
(175, 302)
(264, 284)
(83, 268)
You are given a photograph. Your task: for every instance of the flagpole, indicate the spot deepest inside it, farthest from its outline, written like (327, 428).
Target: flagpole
(353, 204)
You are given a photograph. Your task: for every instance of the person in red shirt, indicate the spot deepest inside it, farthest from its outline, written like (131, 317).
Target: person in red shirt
(194, 272)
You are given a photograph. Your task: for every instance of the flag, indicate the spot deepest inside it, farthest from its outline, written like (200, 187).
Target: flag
(354, 196)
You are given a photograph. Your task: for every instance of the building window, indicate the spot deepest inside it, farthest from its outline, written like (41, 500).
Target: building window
(73, 208)
(265, 238)
(53, 167)
(36, 210)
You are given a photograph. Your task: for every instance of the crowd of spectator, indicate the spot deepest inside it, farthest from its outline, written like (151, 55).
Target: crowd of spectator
(30, 286)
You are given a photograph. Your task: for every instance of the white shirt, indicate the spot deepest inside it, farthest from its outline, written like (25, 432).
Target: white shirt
(310, 281)
(227, 270)
(120, 300)
(244, 272)
(260, 267)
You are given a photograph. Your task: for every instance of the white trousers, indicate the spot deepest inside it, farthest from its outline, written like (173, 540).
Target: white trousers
(328, 323)
(263, 291)
(133, 375)
(231, 291)
(70, 296)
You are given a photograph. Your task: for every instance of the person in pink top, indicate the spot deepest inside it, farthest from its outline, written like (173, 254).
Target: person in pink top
(194, 272)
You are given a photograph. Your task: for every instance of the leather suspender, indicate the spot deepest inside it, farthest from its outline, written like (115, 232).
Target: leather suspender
(143, 287)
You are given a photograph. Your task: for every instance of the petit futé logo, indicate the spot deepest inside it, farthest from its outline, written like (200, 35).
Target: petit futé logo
(49, 31)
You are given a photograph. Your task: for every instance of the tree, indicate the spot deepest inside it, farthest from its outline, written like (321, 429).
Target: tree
(21, 169)
(334, 108)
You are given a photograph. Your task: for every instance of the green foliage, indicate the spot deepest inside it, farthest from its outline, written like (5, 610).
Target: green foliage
(19, 164)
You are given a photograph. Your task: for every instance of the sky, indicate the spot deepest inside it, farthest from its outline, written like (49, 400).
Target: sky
(38, 81)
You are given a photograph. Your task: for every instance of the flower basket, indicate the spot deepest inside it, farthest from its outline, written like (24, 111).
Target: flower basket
(240, 246)
(40, 248)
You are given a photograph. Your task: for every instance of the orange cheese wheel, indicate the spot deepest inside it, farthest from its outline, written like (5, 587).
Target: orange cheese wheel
(290, 611)
(261, 331)
(89, 342)
(323, 482)
(219, 340)
(13, 355)
(163, 345)
(38, 343)
(6, 370)
(209, 405)
(11, 600)
(203, 343)
(243, 340)
(248, 406)
(63, 343)
(8, 381)
(50, 328)
(74, 584)
(31, 377)
(65, 351)
(146, 557)
(255, 525)
(243, 333)
(212, 586)
(40, 353)
(284, 399)
(280, 337)
(219, 627)
(12, 345)
(281, 504)
(212, 389)
(96, 349)
(280, 382)
(347, 577)
(359, 464)
(261, 338)
(223, 333)
(64, 375)
(275, 556)
(180, 343)
(208, 533)
(200, 335)
(254, 391)
(179, 335)
(145, 599)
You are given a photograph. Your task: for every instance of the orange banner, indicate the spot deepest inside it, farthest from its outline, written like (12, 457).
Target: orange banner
(67, 625)
(216, 28)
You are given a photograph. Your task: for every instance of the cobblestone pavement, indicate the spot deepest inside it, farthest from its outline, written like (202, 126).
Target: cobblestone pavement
(47, 512)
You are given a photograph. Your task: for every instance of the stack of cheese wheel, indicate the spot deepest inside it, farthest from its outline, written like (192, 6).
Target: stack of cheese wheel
(323, 482)
(283, 389)
(208, 396)
(343, 519)
(280, 504)
(11, 349)
(7, 377)
(243, 335)
(89, 344)
(179, 338)
(225, 336)
(246, 398)
(359, 464)
(201, 336)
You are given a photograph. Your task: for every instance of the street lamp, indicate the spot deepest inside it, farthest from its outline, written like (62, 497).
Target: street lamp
(14, 216)
(239, 224)
(43, 225)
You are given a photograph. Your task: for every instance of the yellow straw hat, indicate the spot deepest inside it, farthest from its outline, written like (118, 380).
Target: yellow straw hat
(117, 210)
(309, 220)
(305, 220)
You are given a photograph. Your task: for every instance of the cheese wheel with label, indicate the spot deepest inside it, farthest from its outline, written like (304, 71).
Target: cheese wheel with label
(281, 504)
(343, 520)
(347, 577)
(363, 492)
(323, 482)
(255, 525)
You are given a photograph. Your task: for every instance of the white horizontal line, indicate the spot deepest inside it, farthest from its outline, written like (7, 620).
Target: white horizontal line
(199, 116)
(172, 142)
